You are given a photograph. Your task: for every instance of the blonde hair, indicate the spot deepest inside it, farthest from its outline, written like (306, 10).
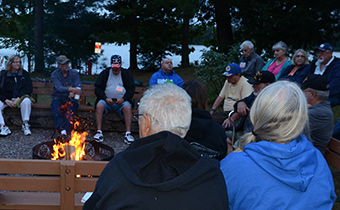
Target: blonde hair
(279, 114)
(11, 60)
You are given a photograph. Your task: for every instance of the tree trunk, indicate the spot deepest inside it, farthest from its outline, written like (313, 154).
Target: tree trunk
(38, 36)
(223, 22)
(133, 42)
(185, 43)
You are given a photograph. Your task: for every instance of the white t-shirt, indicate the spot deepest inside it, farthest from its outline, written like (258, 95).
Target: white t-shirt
(232, 93)
(114, 86)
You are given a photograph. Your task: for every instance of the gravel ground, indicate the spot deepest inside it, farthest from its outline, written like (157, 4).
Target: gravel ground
(19, 146)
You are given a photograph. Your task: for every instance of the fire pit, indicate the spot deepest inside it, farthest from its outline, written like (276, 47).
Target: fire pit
(57, 150)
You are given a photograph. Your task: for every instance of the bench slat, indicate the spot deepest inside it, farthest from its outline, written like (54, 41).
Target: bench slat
(332, 154)
(30, 183)
(26, 166)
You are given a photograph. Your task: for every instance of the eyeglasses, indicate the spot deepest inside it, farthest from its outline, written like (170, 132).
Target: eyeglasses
(16, 62)
(300, 56)
(136, 116)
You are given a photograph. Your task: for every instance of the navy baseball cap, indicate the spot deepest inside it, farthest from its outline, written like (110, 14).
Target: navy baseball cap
(116, 61)
(316, 82)
(324, 47)
(232, 69)
(262, 77)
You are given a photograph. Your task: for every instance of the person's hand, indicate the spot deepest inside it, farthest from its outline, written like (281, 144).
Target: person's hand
(119, 101)
(77, 91)
(227, 123)
(10, 103)
(242, 108)
(71, 95)
(109, 101)
(16, 101)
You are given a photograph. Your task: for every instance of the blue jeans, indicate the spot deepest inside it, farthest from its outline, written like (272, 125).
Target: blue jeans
(115, 107)
(63, 113)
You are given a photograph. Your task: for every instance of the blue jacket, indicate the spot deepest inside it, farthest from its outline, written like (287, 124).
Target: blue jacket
(160, 77)
(333, 76)
(269, 175)
(298, 77)
(61, 83)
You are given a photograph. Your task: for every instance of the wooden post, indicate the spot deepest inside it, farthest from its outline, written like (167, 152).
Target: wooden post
(67, 176)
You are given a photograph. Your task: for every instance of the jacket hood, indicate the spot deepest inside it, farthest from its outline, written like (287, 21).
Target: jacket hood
(165, 161)
(293, 164)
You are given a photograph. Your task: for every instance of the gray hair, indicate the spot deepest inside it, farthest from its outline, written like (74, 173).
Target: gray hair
(280, 45)
(248, 44)
(169, 106)
(302, 51)
(11, 60)
(322, 95)
(279, 114)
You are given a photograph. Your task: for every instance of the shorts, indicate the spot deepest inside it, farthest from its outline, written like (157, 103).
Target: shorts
(115, 107)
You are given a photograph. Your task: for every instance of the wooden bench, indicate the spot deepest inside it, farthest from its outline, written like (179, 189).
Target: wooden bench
(87, 97)
(332, 154)
(46, 184)
(41, 116)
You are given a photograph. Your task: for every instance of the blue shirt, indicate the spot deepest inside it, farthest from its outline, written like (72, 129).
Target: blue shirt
(61, 83)
(160, 77)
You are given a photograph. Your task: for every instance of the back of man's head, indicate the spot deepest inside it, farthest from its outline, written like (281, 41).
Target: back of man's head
(169, 108)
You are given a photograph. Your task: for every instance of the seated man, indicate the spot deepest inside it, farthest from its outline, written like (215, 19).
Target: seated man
(320, 113)
(328, 66)
(250, 62)
(241, 108)
(234, 89)
(115, 88)
(166, 74)
(64, 105)
(161, 170)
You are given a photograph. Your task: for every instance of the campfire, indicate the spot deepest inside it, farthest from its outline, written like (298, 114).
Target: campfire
(75, 148)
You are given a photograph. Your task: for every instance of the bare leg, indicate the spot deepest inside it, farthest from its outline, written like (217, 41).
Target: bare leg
(127, 116)
(100, 108)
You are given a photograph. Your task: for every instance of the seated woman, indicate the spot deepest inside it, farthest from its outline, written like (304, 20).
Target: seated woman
(277, 167)
(15, 91)
(280, 61)
(203, 130)
(295, 72)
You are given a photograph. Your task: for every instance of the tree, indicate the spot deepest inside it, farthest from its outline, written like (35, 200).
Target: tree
(38, 35)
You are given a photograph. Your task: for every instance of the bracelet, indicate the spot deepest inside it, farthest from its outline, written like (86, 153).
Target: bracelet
(212, 109)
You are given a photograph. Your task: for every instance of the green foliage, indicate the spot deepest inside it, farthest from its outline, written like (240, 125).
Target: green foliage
(213, 66)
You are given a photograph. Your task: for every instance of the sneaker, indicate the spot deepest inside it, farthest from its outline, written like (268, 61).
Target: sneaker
(128, 138)
(4, 130)
(26, 129)
(63, 133)
(98, 137)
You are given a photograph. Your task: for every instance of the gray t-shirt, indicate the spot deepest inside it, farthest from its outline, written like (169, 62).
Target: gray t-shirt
(114, 86)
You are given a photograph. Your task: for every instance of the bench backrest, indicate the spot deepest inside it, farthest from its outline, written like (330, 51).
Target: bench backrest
(40, 178)
(332, 154)
(46, 88)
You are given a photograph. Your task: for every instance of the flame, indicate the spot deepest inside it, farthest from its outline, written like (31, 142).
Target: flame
(77, 141)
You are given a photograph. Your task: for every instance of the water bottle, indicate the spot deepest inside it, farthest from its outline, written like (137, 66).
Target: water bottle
(77, 96)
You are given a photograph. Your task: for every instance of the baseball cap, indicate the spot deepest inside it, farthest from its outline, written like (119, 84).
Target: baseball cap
(116, 61)
(262, 77)
(62, 59)
(232, 69)
(316, 82)
(324, 47)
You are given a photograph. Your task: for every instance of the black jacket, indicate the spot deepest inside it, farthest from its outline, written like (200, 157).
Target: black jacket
(7, 84)
(207, 132)
(128, 83)
(161, 171)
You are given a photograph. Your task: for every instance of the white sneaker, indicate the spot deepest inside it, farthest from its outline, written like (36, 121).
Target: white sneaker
(98, 137)
(128, 138)
(63, 133)
(4, 130)
(26, 129)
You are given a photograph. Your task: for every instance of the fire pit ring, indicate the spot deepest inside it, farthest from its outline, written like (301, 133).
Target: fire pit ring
(93, 151)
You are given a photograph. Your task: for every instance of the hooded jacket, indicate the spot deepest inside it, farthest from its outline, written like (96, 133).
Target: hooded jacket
(270, 175)
(161, 171)
(160, 75)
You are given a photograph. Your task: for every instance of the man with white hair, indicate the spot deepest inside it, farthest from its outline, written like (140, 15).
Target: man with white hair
(161, 170)
(328, 66)
(250, 62)
(320, 114)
